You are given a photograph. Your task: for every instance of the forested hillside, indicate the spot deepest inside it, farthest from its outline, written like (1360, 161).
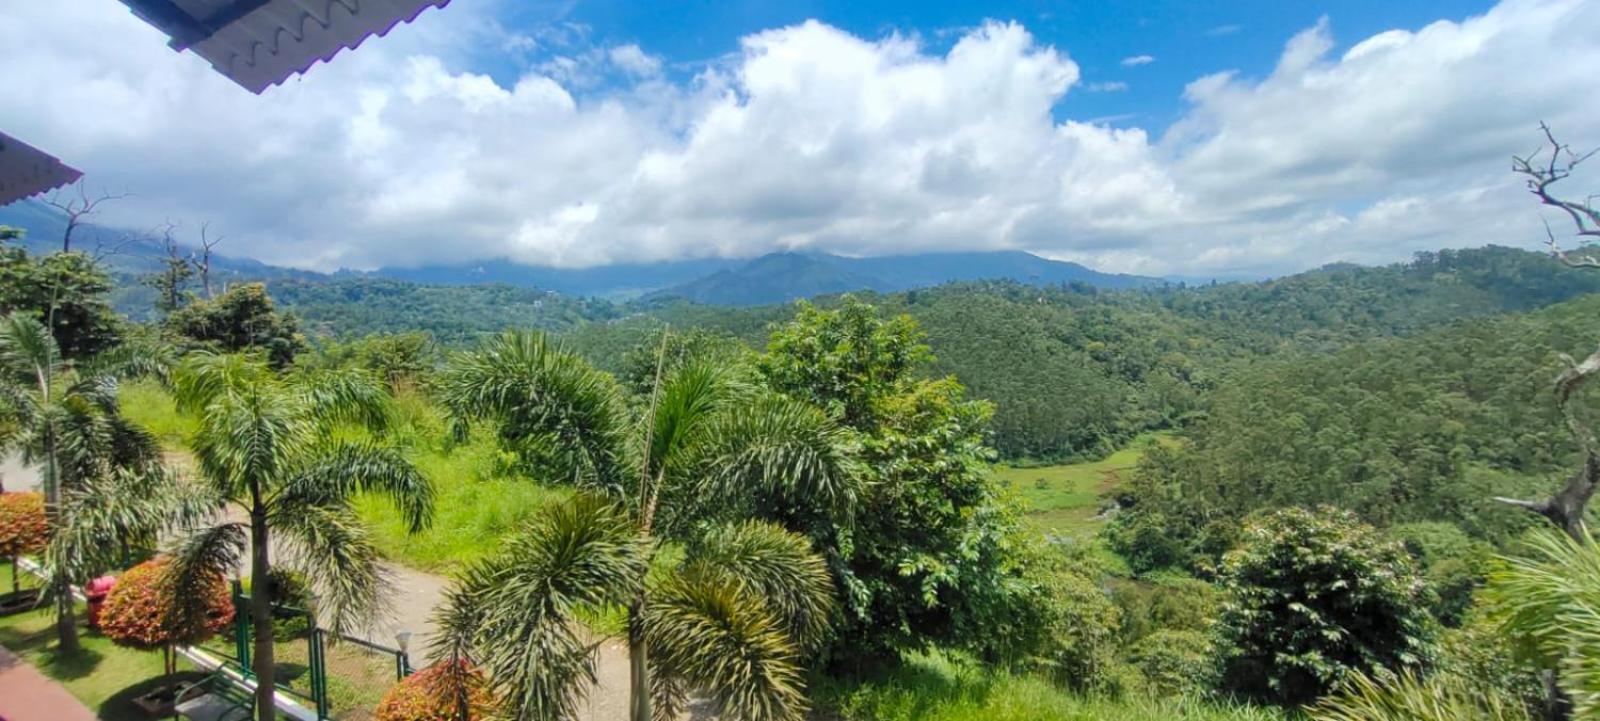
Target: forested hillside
(1426, 428)
(1074, 371)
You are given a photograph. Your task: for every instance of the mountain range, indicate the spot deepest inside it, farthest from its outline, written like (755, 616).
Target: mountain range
(783, 277)
(773, 278)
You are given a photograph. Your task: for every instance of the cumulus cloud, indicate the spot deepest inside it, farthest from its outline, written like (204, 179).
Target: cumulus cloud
(1137, 60)
(1114, 86)
(635, 61)
(807, 137)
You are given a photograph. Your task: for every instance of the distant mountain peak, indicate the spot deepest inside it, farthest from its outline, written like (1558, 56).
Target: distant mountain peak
(787, 275)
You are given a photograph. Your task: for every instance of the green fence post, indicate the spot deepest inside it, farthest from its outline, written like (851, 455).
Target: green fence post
(319, 671)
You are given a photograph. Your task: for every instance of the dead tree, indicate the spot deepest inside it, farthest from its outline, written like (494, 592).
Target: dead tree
(77, 205)
(1566, 507)
(202, 264)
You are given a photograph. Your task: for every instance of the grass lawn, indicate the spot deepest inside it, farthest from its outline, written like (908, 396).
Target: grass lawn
(1065, 498)
(145, 402)
(937, 688)
(103, 676)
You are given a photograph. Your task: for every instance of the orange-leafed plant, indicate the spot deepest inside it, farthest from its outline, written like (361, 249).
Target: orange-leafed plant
(24, 528)
(437, 693)
(143, 612)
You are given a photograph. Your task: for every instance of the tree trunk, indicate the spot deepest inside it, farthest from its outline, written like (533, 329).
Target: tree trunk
(261, 616)
(638, 663)
(60, 583)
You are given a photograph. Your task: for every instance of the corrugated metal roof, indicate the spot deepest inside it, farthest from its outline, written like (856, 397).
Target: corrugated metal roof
(260, 43)
(26, 171)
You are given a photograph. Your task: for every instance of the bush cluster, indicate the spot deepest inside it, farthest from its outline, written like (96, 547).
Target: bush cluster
(142, 610)
(426, 696)
(1314, 597)
(23, 525)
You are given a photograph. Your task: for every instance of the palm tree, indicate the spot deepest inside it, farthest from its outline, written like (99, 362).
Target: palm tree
(271, 445)
(102, 480)
(734, 618)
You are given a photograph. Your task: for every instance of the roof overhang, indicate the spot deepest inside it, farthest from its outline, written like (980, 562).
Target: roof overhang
(26, 171)
(260, 43)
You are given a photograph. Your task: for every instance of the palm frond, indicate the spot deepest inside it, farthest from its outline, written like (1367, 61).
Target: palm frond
(685, 407)
(1549, 600)
(722, 640)
(329, 544)
(198, 559)
(778, 568)
(784, 450)
(204, 378)
(347, 396)
(244, 436)
(1444, 697)
(342, 469)
(100, 516)
(561, 413)
(133, 359)
(28, 352)
(514, 612)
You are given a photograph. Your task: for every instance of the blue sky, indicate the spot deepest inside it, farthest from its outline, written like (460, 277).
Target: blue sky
(1257, 139)
(1186, 39)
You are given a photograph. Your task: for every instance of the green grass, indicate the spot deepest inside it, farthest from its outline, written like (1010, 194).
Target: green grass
(145, 402)
(1066, 498)
(480, 499)
(937, 688)
(105, 677)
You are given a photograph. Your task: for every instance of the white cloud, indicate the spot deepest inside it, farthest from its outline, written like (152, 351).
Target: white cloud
(1114, 86)
(635, 61)
(1224, 30)
(807, 137)
(1137, 60)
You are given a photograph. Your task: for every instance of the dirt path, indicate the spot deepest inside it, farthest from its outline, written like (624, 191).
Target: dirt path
(416, 595)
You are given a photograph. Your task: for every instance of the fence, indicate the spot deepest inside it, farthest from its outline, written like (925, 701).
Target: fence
(342, 677)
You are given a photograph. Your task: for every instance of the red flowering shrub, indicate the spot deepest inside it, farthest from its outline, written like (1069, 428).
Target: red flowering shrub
(425, 696)
(23, 527)
(139, 612)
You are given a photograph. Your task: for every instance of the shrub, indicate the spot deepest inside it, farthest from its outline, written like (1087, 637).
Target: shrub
(1177, 662)
(1455, 564)
(141, 612)
(1314, 597)
(426, 695)
(23, 526)
(1082, 623)
(1165, 602)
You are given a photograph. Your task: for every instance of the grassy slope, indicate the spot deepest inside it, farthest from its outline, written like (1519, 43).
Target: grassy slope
(935, 688)
(479, 500)
(104, 677)
(1066, 498)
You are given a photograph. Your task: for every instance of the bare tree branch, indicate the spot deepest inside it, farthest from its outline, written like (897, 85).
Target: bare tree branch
(77, 208)
(1568, 506)
(203, 263)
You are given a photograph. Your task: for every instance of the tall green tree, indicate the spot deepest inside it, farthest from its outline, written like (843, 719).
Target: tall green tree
(735, 619)
(67, 291)
(278, 447)
(241, 319)
(927, 552)
(102, 482)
